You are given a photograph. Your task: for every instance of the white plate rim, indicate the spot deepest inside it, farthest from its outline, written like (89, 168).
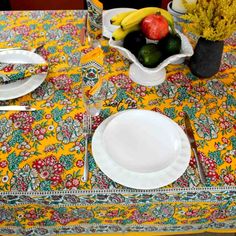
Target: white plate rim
(139, 180)
(22, 87)
(107, 30)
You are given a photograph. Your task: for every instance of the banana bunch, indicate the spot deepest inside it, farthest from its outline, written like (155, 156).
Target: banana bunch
(129, 21)
(116, 20)
(119, 33)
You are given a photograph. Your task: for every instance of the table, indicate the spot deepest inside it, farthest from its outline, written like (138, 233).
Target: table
(41, 153)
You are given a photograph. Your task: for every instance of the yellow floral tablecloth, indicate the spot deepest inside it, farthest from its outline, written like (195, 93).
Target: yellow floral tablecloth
(41, 152)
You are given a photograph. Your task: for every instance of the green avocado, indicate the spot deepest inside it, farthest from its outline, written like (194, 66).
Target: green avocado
(149, 55)
(170, 45)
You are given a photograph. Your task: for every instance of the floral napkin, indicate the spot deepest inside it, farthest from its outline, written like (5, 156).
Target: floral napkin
(94, 26)
(10, 73)
(92, 66)
(95, 8)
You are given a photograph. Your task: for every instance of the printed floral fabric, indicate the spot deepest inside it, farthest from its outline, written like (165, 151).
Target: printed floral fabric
(41, 152)
(10, 73)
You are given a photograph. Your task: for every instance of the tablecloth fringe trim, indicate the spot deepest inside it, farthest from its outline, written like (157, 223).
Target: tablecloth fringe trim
(208, 226)
(125, 191)
(107, 204)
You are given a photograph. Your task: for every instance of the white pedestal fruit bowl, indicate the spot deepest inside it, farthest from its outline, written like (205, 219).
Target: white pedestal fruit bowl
(153, 76)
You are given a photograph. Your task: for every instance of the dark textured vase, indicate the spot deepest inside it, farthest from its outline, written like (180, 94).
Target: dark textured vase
(206, 59)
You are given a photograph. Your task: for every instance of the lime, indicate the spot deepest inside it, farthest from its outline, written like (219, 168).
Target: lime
(170, 45)
(149, 55)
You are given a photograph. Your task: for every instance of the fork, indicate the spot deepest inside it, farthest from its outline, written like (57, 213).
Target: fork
(87, 130)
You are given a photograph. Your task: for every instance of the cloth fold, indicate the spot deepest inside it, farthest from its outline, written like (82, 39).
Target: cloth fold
(10, 72)
(92, 66)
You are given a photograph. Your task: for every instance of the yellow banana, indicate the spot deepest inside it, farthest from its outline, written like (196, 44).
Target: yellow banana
(137, 16)
(116, 19)
(119, 34)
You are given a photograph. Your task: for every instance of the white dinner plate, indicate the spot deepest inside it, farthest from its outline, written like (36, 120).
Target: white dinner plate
(141, 149)
(108, 28)
(25, 86)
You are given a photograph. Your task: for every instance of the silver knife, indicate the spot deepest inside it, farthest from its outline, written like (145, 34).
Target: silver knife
(189, 132)
(17, 108)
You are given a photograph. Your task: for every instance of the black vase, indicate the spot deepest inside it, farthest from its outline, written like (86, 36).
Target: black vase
(206, 59)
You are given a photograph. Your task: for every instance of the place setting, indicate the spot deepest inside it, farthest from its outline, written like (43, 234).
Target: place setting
(21, 72)
(136, 148)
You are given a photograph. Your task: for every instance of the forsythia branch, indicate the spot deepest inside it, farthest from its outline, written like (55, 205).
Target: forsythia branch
(211, 19)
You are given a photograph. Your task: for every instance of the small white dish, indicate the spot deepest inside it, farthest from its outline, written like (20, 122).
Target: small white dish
(176, 15)
(25, 86)
(108, 28)
(141, 149)
(153, 76)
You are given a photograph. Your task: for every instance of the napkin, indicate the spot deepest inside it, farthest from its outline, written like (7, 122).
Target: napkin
(95, 9)
(10, 73)
(91, 66)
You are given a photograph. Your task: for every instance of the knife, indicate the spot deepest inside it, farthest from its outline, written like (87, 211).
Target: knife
(189, 132)
(83, 32)
(16, 108)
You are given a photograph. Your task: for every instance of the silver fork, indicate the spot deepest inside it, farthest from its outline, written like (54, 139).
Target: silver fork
(87, 130)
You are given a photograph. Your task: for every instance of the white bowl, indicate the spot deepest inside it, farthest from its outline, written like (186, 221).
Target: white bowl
(153, 76)
(177, 16)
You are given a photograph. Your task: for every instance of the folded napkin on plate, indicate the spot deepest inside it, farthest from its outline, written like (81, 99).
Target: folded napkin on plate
(10, 73)
(91, 66)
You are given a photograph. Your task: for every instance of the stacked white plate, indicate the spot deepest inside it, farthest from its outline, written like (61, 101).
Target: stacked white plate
(25, 86)
(141, 149)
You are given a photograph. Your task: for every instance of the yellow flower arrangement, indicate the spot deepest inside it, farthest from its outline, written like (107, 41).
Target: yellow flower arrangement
(211, 19)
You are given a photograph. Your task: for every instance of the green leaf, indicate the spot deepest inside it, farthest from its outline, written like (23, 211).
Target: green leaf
(45, 186)
(183, 94)
(58, 96)
(47, 26)
(121, 94)
(231, 101)
(38, 115)
(233, 140)
(67, 161)
(2, 27)
(75, 77)
(57, 114)
(191, 111)
(170, 112)
(216, 157)
(105, 113)
(14, 161)
(16, 138)
(94, 220)
(68, 49)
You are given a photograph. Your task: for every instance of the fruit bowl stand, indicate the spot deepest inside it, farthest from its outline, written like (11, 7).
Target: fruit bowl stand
(153, 76)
